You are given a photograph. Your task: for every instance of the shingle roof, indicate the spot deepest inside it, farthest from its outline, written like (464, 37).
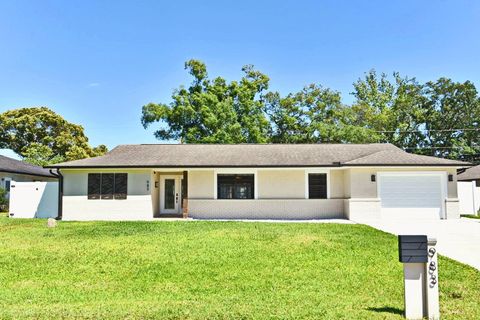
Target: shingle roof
(255, 155)
(472, 173)
(400, 157)
(15, 166)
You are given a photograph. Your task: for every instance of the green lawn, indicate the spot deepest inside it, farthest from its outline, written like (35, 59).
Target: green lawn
(471, 216)
(219, 270)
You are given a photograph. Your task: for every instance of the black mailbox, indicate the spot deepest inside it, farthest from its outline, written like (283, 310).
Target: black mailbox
(413, 249)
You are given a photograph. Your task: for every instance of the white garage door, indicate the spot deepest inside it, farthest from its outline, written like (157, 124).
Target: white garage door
(411, 196)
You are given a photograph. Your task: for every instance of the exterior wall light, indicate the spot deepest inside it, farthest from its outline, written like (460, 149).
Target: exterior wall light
(450, 177)
(373, 178)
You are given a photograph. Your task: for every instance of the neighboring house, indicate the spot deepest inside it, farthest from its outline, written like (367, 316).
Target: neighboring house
(15, 170)
(32, 191)
(469, 190)
(269, 181)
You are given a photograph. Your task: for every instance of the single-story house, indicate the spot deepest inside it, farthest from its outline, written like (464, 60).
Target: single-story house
(469, 190)
(15, 170)
(258, 181)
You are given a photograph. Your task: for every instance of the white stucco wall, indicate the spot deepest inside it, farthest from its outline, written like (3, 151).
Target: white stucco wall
(200, 184)
(137, 206)
(362, 209)
(281, 184)
(452, 209)
(281, 195)
(271, 183)
(337, 184)
(360, 184)
(364, 203)
(347, 183)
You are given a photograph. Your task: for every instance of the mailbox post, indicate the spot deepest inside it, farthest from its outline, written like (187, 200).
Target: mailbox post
(420, 270)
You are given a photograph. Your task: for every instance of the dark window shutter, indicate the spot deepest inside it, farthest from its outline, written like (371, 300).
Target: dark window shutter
(107, 185)
(94, 185)
(121, 183)
(317, 186)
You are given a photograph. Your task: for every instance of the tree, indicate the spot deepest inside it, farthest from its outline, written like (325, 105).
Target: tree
(438, 118)
(42, 137)
(452, 126)
(213, 111)
(40, 155)
(392, 111)
(313, 115)
(289, 121)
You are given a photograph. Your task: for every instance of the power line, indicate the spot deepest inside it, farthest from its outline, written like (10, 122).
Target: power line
(453, 147)
(428, 130)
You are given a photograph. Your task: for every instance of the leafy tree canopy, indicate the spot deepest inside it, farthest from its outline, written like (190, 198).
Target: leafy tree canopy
(213, 110)
(42, 137)
(313, 115)
(439, 118)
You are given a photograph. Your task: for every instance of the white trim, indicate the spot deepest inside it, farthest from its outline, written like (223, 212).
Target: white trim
(443, 187)
(264, 168)
(419, 167)
(363, 199)
(412, 173)
(235, 171)
(215, 187)
(255, 188)
(178, 191)
(326, 171)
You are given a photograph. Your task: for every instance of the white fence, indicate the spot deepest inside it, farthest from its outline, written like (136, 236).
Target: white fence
(33, 199)
(469, 197)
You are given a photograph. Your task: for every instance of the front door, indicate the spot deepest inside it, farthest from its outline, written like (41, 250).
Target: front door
(170, 194)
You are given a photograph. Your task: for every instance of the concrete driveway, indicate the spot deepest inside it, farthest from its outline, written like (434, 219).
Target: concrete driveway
(458, 239)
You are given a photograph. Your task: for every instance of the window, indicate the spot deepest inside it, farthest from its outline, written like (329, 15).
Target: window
(107, 186)
(7, 185)
(235, 186)
(317, 186)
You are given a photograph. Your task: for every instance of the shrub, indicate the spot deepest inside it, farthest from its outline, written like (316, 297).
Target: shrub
(3, 200)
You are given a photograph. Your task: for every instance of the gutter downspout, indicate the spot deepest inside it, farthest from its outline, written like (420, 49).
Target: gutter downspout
(59, 175)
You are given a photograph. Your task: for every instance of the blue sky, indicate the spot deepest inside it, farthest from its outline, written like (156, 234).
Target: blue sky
(97, 62)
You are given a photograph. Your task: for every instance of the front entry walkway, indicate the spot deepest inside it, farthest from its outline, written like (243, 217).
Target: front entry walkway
(458, 239)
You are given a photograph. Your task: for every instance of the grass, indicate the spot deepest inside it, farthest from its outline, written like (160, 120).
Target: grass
(471, 216)
(215, 270)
